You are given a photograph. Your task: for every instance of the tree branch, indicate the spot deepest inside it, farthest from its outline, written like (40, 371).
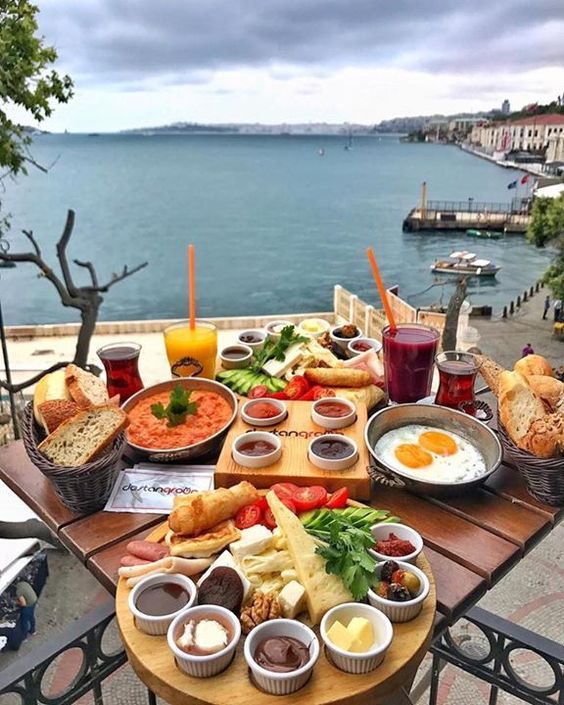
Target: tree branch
(90, 267)
(62, 254)
(119, 277)
(48, 273)
(15, 388)
(31, 238)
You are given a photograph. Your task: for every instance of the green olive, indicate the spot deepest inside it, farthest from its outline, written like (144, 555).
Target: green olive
(412, 583)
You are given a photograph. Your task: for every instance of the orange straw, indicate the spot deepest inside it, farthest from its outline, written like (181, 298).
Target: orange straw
(191, 287)
(381, 288)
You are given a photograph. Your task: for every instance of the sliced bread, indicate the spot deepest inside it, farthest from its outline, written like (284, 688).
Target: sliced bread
(534, 365)
(519, 406)
(85, 388)
(545, 437)
(549, 389)
(79, 439)
(55, 411)
(490, 371)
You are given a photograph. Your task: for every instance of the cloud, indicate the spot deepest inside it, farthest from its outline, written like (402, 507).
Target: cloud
(168, 42)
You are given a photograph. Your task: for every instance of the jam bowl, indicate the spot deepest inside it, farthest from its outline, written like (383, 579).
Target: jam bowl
(256, 449)
(333, 412)
(332, 451)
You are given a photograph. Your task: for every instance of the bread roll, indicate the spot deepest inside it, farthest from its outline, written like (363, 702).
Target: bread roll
(490, 371)
(533, 365)
(545, 437)
(55, 411)
(519, 406)
(338, 377)
(549, 389)
(202, 510)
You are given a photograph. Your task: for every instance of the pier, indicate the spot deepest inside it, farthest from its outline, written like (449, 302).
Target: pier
(509, 218)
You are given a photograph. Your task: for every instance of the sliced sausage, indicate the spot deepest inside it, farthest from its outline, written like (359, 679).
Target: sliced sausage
(147, 550)
(129, 560)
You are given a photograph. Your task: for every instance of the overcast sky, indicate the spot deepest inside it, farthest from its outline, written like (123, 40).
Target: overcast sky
(149, 62)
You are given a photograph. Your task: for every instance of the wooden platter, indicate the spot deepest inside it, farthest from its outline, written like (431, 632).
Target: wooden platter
(154, 663)
(296, 432)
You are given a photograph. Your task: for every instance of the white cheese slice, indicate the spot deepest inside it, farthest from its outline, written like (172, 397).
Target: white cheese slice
(225, 560)
(253, 541)
(292, 599)
(276, 368)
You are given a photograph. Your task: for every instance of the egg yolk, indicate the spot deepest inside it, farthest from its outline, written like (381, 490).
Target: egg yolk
(413, 456)
(438, 443)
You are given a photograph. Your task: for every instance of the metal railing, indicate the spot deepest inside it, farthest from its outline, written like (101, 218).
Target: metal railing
(517, 205)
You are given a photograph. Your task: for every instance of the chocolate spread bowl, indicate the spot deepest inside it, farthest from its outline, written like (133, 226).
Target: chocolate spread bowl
(194, 450)
(440, 417)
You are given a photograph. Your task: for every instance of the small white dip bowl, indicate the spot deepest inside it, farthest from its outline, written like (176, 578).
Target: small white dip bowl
(155, 625)
(274, 328)
(272, 421)
(333, 463)
(281, 683)
(401, 611)
(376, 345)
(344, 342)
(230, 363)
(361, 662)
(381, 532)
(319, 327)
(333, 422)
(210, 664)
(256, 461)
(256, 333)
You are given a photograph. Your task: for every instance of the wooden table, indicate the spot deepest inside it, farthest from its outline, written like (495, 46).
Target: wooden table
(470, 541)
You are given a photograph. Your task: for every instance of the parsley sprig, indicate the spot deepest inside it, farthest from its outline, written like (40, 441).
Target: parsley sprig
(345, 553)
(276, 350)
(178, 407)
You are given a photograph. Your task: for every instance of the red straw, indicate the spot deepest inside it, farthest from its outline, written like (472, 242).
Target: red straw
(381, 288)
(191, 287)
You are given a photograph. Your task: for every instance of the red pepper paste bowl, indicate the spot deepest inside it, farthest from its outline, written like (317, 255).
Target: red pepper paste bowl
(381, 532)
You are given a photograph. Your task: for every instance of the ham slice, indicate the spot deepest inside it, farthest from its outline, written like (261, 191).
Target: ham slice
(170, 564)
(147, 550)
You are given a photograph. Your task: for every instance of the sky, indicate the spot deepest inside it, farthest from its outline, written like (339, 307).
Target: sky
(142, 63)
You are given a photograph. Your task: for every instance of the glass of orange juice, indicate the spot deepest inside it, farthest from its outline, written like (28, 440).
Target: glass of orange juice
(199, 344)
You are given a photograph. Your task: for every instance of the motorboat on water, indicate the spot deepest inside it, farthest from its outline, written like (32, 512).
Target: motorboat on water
(484, 234)
(466, 263)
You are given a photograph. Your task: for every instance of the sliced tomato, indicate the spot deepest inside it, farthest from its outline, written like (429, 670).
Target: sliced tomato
(289, 503)
(338, 499)
(284, 490)
(322, 393)
(258, 392)
(269, 520)
(248, 516)
(261, 503)
(277, 395)
(306, 498)
(296, 387)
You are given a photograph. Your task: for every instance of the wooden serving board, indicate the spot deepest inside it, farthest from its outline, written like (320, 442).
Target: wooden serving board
(296, 432)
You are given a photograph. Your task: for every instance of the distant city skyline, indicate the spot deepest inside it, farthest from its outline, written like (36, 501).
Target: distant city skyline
(297, 61)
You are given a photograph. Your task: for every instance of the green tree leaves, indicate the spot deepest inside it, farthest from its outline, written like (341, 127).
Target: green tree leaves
(547, 227)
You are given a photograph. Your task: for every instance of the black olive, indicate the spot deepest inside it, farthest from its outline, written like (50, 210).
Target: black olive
(222, 587)
(398, 593)
(388, 568)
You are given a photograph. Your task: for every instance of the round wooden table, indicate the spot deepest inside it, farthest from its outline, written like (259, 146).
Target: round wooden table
(154, 663)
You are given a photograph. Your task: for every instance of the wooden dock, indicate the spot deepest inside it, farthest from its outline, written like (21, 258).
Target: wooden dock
(510, 218)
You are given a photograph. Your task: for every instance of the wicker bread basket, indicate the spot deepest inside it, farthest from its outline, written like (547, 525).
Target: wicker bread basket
(83, 489)
(544, 477)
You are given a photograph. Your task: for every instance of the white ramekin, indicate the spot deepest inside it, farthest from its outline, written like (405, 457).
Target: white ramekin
(401, 611)
(156, 626)
(229, 363)
(252, 421)
(256, 461)
(376, 345)
(330, 463)
(353, 662)
(272, 334)
(212, 664)
(281, 683)
(343, 342)
(333, 422)
(257, 332)
(405, 533)
(321, 322)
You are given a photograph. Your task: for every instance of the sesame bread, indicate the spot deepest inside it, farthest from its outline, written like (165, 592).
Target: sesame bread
(519, 406)
(55, 411)
(79, 439)
(490, 371)
(545, 437)
(85, 388)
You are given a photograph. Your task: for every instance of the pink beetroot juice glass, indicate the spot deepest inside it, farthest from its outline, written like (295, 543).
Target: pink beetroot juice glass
(409, 356)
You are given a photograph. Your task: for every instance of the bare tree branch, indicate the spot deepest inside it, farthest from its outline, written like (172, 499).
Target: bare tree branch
(90, 267)
(15, 388)
(62, 254)
(31, 238)
(120, 277)
(48, 273)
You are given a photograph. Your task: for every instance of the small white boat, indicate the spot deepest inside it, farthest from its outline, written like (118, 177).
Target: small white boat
(466, 263)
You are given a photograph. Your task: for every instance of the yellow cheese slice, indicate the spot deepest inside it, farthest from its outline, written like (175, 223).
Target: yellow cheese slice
(362, 635)
(323, 591)
(339, 635)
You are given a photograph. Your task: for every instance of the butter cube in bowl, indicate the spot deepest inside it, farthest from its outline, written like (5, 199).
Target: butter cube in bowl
(356, 636)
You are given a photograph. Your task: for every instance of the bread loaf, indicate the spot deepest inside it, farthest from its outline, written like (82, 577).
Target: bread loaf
(533, 365)
(549, 389)
(490, 371)
(519, 406)
(545, 437)
(55, 411)
(80, 439)
(85, 388)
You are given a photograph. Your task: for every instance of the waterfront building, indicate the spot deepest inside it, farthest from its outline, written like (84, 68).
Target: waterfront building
(531, 134)
(505, 107)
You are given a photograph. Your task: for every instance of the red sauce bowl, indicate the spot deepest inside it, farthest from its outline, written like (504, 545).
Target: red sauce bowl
(263, 412)
(333, 413)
